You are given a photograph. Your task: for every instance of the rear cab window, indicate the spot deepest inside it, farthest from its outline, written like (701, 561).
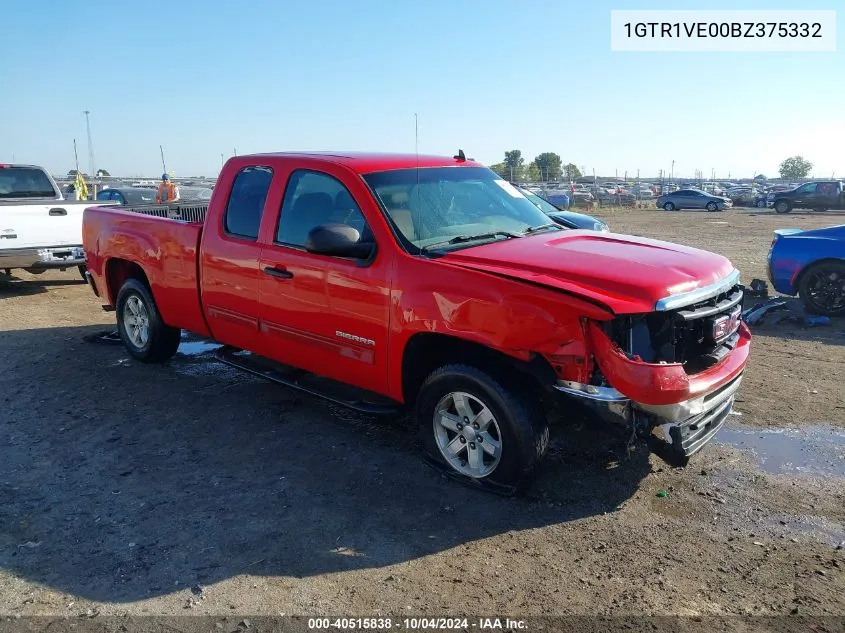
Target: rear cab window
(25, 182)
(242, 217)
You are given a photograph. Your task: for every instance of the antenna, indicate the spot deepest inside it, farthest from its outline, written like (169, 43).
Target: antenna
(414, 208)
(460, 155)
(91, 162)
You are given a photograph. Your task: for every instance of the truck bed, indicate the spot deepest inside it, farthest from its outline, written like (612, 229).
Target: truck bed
(164, 241)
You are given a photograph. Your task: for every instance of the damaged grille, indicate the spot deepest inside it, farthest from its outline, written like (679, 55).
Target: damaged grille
(697, 336)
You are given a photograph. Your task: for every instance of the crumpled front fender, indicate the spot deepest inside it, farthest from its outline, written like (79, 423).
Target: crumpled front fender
(667, 383)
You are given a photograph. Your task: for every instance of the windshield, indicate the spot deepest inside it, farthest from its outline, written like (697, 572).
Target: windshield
(25, 182)
(436, 204)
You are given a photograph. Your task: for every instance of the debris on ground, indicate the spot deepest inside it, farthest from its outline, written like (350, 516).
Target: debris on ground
(662, 494)
(107, 337)
(814, 321)
(756, 313)
(757, 288)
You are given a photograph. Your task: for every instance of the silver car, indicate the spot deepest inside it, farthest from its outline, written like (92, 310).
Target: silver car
(693, 199)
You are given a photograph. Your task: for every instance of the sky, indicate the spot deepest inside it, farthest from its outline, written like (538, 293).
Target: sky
(210, 78)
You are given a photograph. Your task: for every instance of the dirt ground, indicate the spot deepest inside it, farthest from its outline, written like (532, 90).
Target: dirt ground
(190, 488)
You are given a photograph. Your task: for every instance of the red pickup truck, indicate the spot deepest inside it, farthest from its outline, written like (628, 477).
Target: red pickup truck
(429, 282)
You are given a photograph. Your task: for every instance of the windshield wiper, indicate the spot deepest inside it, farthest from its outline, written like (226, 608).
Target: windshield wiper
(460, 239)
(542, 227)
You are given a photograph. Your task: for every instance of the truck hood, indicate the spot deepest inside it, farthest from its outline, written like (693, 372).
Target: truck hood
(624, 273)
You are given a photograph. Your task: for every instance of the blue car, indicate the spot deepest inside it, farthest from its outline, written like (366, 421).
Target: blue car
(569, 219)
(811, 264)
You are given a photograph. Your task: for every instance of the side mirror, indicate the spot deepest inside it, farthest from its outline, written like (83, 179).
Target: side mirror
(337, 240)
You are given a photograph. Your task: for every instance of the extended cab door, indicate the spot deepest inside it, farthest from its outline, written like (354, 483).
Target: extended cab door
(827, 194)
(230, 253)
(327, 315)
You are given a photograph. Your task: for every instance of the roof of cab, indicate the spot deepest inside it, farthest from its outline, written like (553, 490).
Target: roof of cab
(367, 162)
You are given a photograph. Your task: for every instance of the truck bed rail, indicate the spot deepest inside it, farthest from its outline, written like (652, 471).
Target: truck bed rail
(189, 213)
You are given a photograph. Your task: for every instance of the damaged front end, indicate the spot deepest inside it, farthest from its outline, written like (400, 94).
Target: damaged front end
(673, 373)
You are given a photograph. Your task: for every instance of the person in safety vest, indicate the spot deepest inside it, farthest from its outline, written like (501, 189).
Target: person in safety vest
(167, 191)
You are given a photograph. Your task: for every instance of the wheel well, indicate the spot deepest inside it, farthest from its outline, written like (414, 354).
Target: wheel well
(118, 271)
(427, 351)
(813, 264)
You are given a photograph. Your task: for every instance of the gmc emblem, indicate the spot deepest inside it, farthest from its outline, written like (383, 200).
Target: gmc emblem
(722, 327)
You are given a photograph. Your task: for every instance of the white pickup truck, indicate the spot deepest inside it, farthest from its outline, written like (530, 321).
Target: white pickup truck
(39, 229)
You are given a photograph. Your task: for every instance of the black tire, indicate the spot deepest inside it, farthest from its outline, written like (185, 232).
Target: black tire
(162, 341)
(831, 303)
(669, 207)
(783, 206)
(712, 206)
(520, 418)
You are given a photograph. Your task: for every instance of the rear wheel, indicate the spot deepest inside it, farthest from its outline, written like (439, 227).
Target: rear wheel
(822, 288)
(669, 206)
(712, 206)
(144, 334)
(761, 204)
(783, 206)
(480, 429)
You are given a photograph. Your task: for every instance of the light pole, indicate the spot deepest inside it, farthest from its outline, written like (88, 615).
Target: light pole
(91, 161)
(672, 173)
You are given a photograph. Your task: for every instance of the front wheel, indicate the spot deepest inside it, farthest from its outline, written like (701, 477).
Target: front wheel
(761, 204)
(822, 288)
(669, 206)
(782, 206)
(480, 429)
(145, 336)
(712, 206)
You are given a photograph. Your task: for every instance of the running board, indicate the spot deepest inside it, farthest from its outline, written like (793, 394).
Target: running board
(338, 393)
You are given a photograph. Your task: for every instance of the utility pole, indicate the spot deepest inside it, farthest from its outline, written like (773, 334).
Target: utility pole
(416, 134)
(672, 173)
(222, 160)
(91, 162)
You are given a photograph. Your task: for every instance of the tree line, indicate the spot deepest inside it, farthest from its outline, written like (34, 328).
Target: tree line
(549, 166)
(546, 166)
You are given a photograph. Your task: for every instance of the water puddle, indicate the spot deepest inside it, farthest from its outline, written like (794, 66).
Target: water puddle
(197, 348)
(193, 346)
(813, 450)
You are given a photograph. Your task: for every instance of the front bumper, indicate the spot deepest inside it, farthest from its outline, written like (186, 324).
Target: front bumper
(42, 258)
(674, 431)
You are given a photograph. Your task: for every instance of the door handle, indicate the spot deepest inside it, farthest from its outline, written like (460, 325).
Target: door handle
(278, 273)
(57, 211)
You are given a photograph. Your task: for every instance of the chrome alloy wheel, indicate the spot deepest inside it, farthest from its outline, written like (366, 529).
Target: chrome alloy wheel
(467, 434)
(136, 319)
